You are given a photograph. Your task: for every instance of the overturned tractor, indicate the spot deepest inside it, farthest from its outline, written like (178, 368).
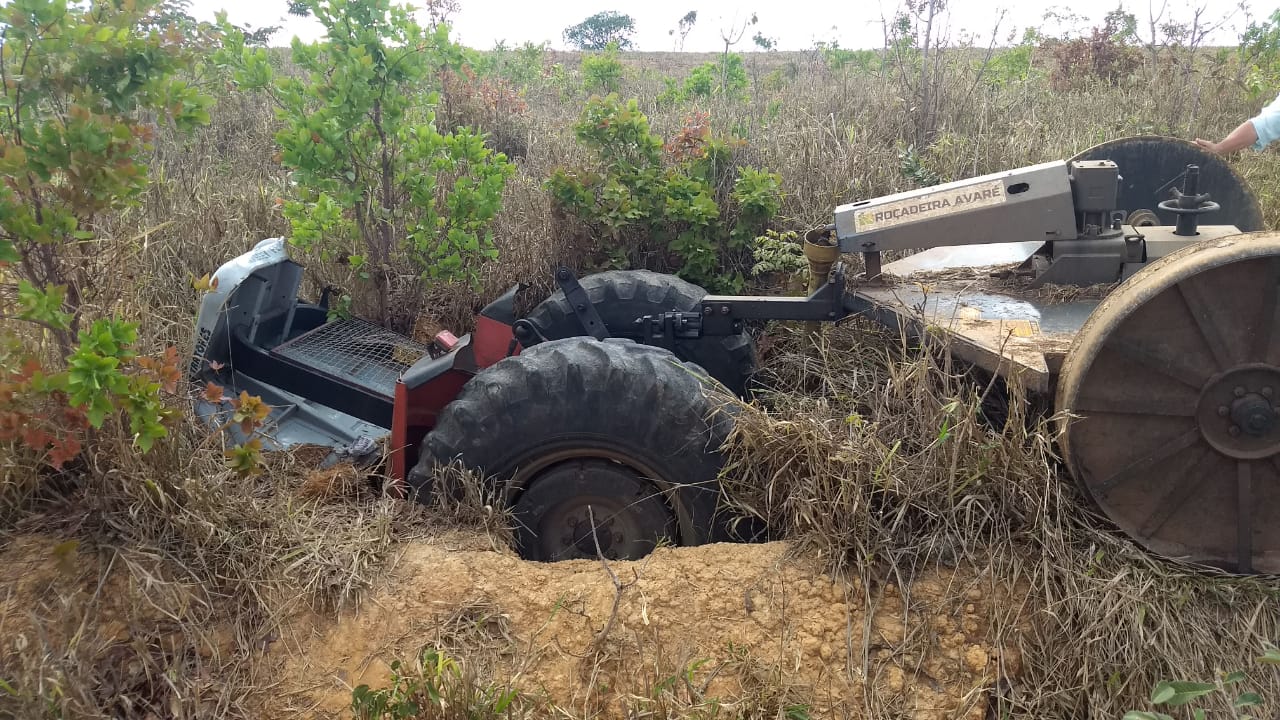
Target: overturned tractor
(596, 414)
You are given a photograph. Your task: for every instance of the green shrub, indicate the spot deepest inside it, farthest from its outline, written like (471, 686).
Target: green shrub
(725, 78)
(1244, 704)
(82, 87)
(602, 71)
(1014, 65)
(1259, 54)
(435, 686)
(654, 204)
(521, 66)
(838, 59)
(778, 253)
(380, 187)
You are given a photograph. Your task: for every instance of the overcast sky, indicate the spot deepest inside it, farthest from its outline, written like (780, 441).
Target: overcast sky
(796, 24)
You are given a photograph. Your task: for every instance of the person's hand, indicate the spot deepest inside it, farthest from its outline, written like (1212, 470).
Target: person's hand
(1209, 146)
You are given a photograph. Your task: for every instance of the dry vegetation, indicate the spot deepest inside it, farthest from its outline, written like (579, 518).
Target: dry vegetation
(160, 586)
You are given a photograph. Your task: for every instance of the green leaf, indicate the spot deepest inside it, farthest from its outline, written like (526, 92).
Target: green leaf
(44, 306)
(1162, 693)
(1271, 656)
(8, 253)
(1249, 699)
(1233, 677)
(1179, 693)
(96, 416)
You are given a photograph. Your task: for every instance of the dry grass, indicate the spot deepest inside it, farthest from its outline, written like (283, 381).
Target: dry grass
(166, 597)
(875, 458)
(869, 455)
(833, 136)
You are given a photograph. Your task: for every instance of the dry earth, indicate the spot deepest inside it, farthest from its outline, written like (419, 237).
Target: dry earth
(736, 626)
(742, 621)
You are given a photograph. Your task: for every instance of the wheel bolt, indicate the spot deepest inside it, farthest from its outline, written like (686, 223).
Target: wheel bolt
(1234, 431)
(1222, 411)
(1239, 392)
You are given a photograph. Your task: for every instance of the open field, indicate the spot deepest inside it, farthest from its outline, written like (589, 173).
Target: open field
(925, 564)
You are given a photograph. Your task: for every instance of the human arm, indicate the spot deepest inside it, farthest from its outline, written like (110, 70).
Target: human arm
(1240, 138)
(1257, 132)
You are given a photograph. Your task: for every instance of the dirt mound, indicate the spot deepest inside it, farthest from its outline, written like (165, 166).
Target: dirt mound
(737, 625)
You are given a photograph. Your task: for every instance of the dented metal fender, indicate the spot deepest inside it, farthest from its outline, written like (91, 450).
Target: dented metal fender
(211, 343)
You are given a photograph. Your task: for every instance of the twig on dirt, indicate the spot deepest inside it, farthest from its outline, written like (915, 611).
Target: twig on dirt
(618, 586)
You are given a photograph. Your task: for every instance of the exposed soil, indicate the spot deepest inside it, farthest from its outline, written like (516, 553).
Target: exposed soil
(747, 620)
(748, 625)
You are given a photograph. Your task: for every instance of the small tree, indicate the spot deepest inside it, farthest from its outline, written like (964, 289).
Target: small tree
(684, 27)
(81, 87)
(601, 29)
(75, 84)
(1259, 53)
(380, 187)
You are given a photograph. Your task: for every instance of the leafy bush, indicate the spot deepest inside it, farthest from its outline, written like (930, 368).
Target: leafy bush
(602, 71)
(778, 253)
(724, 78)
(379, 186)
(520, 66)
(1259, 54)
(666, 206)
(838, 59)
(435, 686)
(914, 167)
(1015, 64)
(78, 83)
(1243, 703)
(1104, 56)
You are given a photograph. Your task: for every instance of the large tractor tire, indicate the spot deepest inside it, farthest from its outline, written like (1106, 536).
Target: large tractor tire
(623, 296)
(583, 434)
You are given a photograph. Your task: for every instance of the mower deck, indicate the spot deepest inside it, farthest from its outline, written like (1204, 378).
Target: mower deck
(1003, 331)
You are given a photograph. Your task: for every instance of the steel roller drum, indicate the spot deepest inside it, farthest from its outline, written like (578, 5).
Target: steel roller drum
(1170, 403)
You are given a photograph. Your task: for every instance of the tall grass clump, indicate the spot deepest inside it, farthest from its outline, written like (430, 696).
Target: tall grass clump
(885, 459)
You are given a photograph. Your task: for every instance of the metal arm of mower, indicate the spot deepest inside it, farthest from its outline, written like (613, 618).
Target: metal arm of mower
(727, 314)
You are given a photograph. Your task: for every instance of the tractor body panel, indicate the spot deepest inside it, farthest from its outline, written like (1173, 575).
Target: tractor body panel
(343, 383)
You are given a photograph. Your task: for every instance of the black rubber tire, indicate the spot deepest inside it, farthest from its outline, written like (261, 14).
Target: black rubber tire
(623, 296)
(580, 399)
(591, 507)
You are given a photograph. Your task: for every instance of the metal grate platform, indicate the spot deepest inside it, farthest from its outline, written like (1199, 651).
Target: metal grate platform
(355, 352)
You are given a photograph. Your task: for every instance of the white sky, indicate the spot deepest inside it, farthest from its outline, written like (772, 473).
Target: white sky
(796, 24)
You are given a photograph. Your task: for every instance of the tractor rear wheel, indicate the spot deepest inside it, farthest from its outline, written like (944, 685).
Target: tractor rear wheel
(598, 446)
(623, 296)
